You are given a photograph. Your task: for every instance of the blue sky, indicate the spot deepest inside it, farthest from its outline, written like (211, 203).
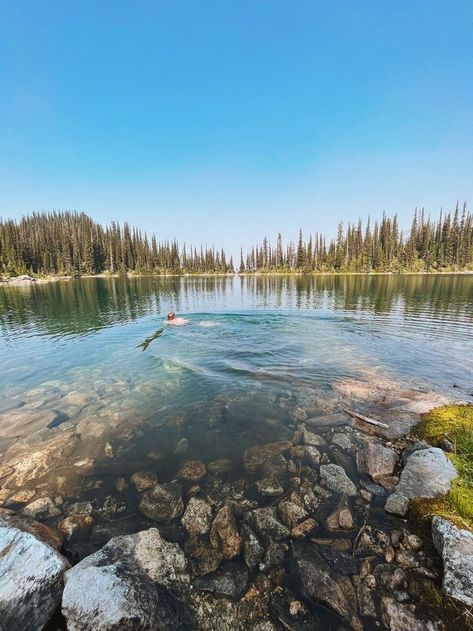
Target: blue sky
(224, 121)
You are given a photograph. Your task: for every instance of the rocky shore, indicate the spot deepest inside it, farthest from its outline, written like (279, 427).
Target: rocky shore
(26, 280)
(302, 534)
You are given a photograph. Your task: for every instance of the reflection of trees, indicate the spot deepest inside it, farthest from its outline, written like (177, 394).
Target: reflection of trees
(82, 306)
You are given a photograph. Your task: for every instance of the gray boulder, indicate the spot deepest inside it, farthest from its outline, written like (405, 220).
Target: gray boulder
(455, 546)
(337, 480)
(125, 585)
(31, 582)
(428, 473)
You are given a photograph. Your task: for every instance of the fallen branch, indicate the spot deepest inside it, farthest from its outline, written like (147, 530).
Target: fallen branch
(365, 419)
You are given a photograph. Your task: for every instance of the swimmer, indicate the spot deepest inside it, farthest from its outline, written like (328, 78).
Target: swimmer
(175, 321)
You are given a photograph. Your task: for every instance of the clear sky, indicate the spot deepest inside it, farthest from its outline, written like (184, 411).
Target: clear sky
(223, 121)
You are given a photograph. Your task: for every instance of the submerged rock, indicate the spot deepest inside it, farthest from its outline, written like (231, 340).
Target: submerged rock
(376, 460)
(291, 514)
(224, 534)
(144, 480)
(337, 480)
(197, 517)
(122, 586)
(269, 487)
(163, 502)
(428, 473)
(255, 457)
(266, 524)
(193, 470)
(341, 518)
(31, 580)
(252, 549)
(399, 617)
(42, 508)
(455, 546)
(231, 579)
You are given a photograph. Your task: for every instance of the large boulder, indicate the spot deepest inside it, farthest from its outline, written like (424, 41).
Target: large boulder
(31, 581)
(322, 584)
(128, 585)
(455, 546)
(428, 473)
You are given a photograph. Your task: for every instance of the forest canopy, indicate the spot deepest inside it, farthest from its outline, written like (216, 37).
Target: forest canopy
(72, 243)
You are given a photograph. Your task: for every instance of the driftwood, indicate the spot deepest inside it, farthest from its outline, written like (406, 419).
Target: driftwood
(365, 419)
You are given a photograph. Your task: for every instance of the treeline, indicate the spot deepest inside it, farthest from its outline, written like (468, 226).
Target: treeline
(72, 243)
(444, 244)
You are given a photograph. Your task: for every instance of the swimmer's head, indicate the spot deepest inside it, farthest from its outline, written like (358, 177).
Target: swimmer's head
(171, 315)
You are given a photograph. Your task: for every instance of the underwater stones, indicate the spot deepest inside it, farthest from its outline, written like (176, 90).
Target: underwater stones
(291, 514)
(399, 617)
(274, 556)
(192, 470)
(73, 523)
(337, 480)
(266, 524)
(204, 558)
(113, 508)
(231, 579)
(224, 534)
(218, 467)
(269, 487)
(320, 583)
(181, 447)
(427, 473)
(42, 508)
(312, 454)
(5, 470)
(255, 457)
(252, 549)
(197, 517)
(341, 518)
(121, 586)
(455, 546)
(32, 578)
(298, 414)
(275, 467)
(376, 460)
(304, 528)
(309, 438)
(163, 502)
(22, 497)
(144, 480)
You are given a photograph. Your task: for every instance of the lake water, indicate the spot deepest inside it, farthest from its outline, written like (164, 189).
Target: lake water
(83, 407)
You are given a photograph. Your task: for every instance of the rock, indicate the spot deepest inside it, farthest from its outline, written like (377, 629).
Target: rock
(298, 414)
(193, 470)
(113, 508)
(376, 460)
(455, 546)
(42, 508)
(162, 502)
(399, 617)
(309, 438)
(428, 473)
(374, 489)
(255, 457)
(22, 497)
(121, 586)
(5, 470)
(341, 518)
(204, 557)
(74, 523)
(48, 535)
(269, 487)
(291, 514)
(252, 549)
(144, 480)
(337, 480)
(323, 585)
(80, 508)
(218, 467)
(181, 446)
(231, 579)
(224, 534)
(343, 440)
(266, 524)
(275, 467)
(31, 580)
(197, 517)
(365, 600)
(312, 454)
(304, 528)
(274, 556)
(373, 541)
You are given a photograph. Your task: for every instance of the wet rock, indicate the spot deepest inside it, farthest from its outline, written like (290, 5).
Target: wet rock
(337, 480)
(113, 508)
(399, 617)
(224, 534)
(312, 454)
(304, 528)
(144, 480)
(231, 579)
(48, 535)
(455, 546)
(273, 556)
(42, 508)
(162, 502)
(428, 473)
(291, 514)
(342, 439)
(193, 470)
(269, 487)
(197, 517)
(80, 508)
(181, 447)
(374, 489)
(341, 518)
(121, 586)
(252, 549)
(293, 614)
(365, 600)
(390, 577)
(218, 467)
(310, 438)
(340, 560)
(298, 414)
(5, 470)
(372, 541)
(376, 460)
(266, 524)
(389, 482)
(73, 523)
(275, 467)
(320, 583)
(204, 557)
(255, 457)
(31, 580)
(22, 497)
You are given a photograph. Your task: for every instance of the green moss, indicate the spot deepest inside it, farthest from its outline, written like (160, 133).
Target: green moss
(455, 423)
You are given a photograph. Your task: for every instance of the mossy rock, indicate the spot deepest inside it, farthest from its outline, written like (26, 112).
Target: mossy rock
(454, 423)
